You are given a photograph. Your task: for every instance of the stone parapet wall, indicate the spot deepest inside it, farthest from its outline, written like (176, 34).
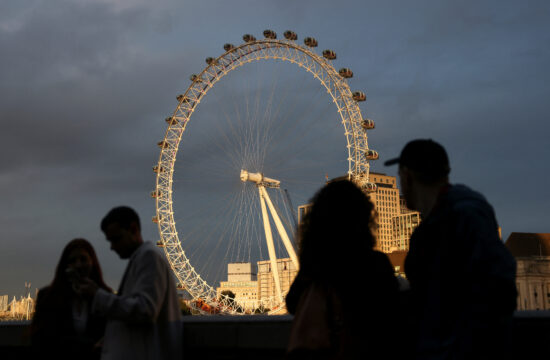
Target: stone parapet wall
(265, 337)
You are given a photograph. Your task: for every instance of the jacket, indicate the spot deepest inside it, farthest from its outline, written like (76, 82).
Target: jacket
(144, 318)
(462, 279)
(53, 333)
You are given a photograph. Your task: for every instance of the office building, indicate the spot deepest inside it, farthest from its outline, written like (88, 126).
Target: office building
(386, 202)
(241, 282)
(403, 226)
(395, 221)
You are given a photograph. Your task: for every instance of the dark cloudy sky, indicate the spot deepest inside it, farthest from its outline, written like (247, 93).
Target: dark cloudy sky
(85, 86)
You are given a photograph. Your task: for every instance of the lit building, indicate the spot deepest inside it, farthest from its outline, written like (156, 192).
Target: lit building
(402, 228)
(532, 253)
(387, 203)
(241, 271)
(266, 282)
(240, 281)
(4, 302)
(396, 222)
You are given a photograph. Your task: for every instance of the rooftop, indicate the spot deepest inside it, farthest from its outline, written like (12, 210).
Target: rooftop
(529, 244)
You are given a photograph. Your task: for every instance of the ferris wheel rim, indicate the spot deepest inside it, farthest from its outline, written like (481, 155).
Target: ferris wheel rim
(208, 77)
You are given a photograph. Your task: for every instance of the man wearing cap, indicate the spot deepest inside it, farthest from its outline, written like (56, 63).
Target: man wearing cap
(462, 277)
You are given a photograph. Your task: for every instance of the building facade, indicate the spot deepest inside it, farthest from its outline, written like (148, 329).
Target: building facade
(532, 253)
(241, 282)
(386, 202)
(403, 226)
(396, 222)
(267, 291)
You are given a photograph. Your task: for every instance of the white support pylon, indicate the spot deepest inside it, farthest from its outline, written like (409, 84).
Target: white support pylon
(270, 246)
(281, 229)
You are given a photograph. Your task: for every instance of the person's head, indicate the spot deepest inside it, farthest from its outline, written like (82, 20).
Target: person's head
(423, 169)
(337, 231)
(78, 260)
(122, 229)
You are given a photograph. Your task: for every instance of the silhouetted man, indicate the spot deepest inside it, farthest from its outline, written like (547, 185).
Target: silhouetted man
(462, 278)
(144, 317)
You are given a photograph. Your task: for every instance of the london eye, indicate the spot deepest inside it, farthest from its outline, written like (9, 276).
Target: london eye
(233, 165)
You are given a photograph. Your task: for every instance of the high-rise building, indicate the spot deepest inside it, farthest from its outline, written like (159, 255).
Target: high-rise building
(396, 222)
(387, 203)
(402, 228)
(266, 282)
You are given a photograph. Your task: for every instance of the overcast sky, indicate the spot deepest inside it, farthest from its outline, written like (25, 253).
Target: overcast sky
(85, 86)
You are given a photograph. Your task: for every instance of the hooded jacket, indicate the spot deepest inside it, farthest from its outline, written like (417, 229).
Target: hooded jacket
(462, 279)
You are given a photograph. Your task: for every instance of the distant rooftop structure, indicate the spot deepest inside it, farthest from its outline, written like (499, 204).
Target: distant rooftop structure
(529, 244)
(532, 253)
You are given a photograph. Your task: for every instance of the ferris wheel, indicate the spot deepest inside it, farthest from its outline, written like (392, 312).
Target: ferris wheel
(234, 223)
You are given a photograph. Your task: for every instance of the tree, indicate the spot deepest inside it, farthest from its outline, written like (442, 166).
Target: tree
(185, 309)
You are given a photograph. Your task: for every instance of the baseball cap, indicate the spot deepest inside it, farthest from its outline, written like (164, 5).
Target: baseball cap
(425, 156)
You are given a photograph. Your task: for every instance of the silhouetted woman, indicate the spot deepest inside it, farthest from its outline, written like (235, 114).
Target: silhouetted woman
(63, 325)
(345, 293)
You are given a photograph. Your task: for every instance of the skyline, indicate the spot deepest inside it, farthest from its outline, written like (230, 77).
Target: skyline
(85, 88)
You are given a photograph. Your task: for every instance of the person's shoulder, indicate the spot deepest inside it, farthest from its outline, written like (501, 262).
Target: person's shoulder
(46, 297)
(461, 193)
(463, 199)
(148, 250)
(44, 292)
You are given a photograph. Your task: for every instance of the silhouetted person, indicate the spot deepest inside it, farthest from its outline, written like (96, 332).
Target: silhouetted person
(462, 278)
(63, 326)
(344, 296)
(144, 318)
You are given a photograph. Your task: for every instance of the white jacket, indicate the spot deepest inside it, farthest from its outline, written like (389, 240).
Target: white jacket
(144, 318)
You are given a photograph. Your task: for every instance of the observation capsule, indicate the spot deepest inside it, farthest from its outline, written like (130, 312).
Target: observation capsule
(171, 120)
(371, 155)
(270, 34)
(180, 287)
(228, 47)
(210, 60)
(248, 38)
(290, 35)
(181, 97)
(158, 169)
(345, 73)
(156, 219)
(163, 144)
(311, 42)
(329, 54)
(359, 96)
(161, 244)
(367, 124)
(155, 194)
(370, 187)
(195, 77)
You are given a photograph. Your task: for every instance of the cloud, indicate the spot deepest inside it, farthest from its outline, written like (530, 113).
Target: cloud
(85, 87)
